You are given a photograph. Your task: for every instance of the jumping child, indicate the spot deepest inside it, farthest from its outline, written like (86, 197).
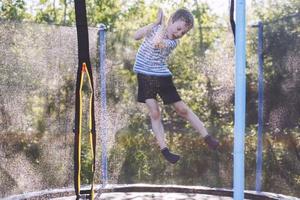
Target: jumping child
(155, 78)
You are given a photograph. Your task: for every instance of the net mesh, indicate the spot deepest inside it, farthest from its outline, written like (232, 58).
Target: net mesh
(38, 64)
(37, 86)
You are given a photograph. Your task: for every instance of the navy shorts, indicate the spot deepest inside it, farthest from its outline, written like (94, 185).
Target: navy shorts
(151, 86)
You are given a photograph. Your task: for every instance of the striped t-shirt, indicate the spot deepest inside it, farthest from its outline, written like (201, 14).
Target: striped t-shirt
(151, 60)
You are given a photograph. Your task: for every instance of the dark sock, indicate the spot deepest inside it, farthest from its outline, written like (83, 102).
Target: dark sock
(172, 158)
(211, 142)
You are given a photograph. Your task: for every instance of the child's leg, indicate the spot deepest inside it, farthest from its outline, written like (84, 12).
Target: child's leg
(156, 123)
(158, 130)
(184, 111)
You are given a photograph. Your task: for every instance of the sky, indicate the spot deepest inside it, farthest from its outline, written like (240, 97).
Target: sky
(219, 7)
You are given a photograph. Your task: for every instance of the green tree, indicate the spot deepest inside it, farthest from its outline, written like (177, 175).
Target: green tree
(55, 12)
(281, 105)
(12, 9)
(103, 11)
(281, 46)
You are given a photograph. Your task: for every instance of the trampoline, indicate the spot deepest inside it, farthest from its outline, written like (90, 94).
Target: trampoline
(150, 192)
(163, 192)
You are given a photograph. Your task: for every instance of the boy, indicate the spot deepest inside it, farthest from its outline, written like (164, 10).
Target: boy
(154, 77)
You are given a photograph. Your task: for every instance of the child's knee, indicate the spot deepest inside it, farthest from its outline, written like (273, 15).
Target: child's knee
(155, 114)
(182, 111)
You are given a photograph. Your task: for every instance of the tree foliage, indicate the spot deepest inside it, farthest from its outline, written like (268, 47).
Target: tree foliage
(203, 71)
(12, 10)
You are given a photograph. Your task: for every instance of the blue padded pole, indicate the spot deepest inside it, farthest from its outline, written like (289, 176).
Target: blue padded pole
(103, 117)
(240, 101)
(259, 152)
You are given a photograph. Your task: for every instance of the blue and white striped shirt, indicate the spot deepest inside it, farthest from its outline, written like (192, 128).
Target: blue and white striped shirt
(151, 60)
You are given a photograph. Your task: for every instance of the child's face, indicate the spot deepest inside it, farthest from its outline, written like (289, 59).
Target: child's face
(177, 29)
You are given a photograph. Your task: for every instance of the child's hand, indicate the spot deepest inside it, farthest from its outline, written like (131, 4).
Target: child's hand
(160, 17)
(160, 45)
(158, 38)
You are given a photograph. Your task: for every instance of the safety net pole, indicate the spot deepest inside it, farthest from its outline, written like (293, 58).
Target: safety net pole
(84, 69)
(259, 152)
(103, 118)
(240, 101)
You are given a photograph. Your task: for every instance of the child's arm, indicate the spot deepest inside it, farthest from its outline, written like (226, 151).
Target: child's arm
(158, 40)
(142, 32)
